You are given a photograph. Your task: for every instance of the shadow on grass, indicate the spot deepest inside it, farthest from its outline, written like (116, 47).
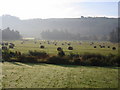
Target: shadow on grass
(32, 64)
(29, 64)
(16, 63)
(75, 66)
(70, 66)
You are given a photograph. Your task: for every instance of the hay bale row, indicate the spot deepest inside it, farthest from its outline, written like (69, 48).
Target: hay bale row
(113, 48)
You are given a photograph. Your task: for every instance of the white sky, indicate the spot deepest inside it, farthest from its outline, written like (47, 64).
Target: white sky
(26, 9)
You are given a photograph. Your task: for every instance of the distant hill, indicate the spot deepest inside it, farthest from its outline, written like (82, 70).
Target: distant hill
(84, 26)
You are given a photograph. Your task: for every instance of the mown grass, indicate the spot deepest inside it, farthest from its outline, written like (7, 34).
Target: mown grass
(19, 75)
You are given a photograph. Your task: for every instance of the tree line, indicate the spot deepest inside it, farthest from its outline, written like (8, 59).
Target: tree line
(8, 34)
(115, 35)
(65, 35)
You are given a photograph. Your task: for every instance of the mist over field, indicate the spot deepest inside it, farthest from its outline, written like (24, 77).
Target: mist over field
(84, 25)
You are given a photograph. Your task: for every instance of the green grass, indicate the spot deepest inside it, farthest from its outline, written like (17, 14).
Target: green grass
(19, 75)
(51, 48)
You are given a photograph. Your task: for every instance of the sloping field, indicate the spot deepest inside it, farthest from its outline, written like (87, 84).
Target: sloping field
(19, 75)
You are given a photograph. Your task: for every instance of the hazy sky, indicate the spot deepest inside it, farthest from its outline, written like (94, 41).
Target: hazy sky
(26, 9)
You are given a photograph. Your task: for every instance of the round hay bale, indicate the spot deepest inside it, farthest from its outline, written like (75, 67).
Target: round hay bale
(70, 48)
(59, 49)
(3, 44)
(103, 46)
(113, 48)
(108, 46)
(11, 46)
(55, 44)
(95, 46)
(42, 46)
(69, 44)
(4, 48)
(6, 44)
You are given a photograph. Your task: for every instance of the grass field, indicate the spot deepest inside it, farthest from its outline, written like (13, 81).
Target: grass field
(19, 75)
(77, 48)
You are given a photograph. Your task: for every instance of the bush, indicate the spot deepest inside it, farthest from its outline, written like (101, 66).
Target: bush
(6, 55)
(92, 55)
(95, 60)
(100, 60)
(39, 55)
(61, 53)
(72, 55)
(57, 60)
(114, 59)
(27, 59)
(76, 59)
